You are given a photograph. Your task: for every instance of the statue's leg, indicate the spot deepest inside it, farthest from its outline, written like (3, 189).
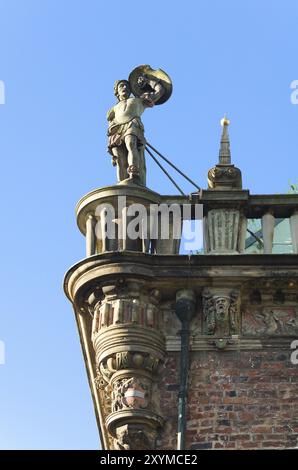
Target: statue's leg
(133, 153)
(121, 157)
(142, 162)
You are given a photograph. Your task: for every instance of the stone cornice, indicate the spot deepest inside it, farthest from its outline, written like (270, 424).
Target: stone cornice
(199, 269)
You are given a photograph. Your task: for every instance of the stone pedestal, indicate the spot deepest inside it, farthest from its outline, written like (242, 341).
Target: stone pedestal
(129, 218)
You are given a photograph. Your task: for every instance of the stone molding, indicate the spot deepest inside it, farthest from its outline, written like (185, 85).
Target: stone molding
(173, 344)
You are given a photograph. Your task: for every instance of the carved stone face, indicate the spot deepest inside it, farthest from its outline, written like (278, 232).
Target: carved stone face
(123, 91)
(222, 306)
(142, 80)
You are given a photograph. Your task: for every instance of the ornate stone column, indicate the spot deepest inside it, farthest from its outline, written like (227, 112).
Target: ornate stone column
(129, 352)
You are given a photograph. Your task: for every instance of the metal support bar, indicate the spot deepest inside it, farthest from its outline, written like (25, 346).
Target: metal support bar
(174, 166)
(165, 171)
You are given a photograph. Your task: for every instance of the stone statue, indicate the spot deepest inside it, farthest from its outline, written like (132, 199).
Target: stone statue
(126, 141)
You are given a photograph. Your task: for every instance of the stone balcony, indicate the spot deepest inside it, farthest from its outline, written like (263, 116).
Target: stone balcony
(225, 213)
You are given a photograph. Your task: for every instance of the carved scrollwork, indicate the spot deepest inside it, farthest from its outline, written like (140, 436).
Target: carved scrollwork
(129, 360)
(100, 383)
(218, 172)
(228, 175)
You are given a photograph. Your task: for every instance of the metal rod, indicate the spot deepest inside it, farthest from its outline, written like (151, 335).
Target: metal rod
(259, 240)
(185, 311)
(162, 168)
(174, 166)
(182, 399)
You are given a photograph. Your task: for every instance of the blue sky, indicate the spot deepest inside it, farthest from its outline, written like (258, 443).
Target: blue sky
(58, 61)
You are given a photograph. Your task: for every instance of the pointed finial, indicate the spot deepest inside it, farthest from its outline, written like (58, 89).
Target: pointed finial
(224, 151)
(224, 121)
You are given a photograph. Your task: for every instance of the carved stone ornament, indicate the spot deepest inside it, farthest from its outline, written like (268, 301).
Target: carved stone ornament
(270, 321)
(130, 393)
(130, 350)
(225, 176)
(221, 312)
(134, 437)
(223, 227)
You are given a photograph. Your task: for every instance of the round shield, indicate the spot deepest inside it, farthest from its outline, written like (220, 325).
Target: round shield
(158, 74)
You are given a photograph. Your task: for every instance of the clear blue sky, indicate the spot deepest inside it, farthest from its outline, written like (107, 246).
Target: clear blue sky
(59, 60)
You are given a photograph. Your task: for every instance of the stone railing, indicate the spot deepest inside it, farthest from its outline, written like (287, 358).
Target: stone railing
(225, 216)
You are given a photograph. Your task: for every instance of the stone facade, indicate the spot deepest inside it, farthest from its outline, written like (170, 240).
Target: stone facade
(232, 325)
(243, 396)
(242, 385)
(237, 400)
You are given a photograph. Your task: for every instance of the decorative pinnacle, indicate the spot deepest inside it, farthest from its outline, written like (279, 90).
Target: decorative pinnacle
(224, 121)
(224, 151)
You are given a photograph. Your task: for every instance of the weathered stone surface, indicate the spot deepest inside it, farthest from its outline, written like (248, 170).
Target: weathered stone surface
(223, 231)
(242, 383)
(221, 312)
(126, 141)
(129, 351)
(270, 321)
(236, 401)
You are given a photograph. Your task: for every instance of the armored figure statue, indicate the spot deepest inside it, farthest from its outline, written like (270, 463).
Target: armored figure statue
(126, 141)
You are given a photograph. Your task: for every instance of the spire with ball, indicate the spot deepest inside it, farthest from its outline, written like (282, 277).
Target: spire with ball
(224, 175)
(224, 151)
